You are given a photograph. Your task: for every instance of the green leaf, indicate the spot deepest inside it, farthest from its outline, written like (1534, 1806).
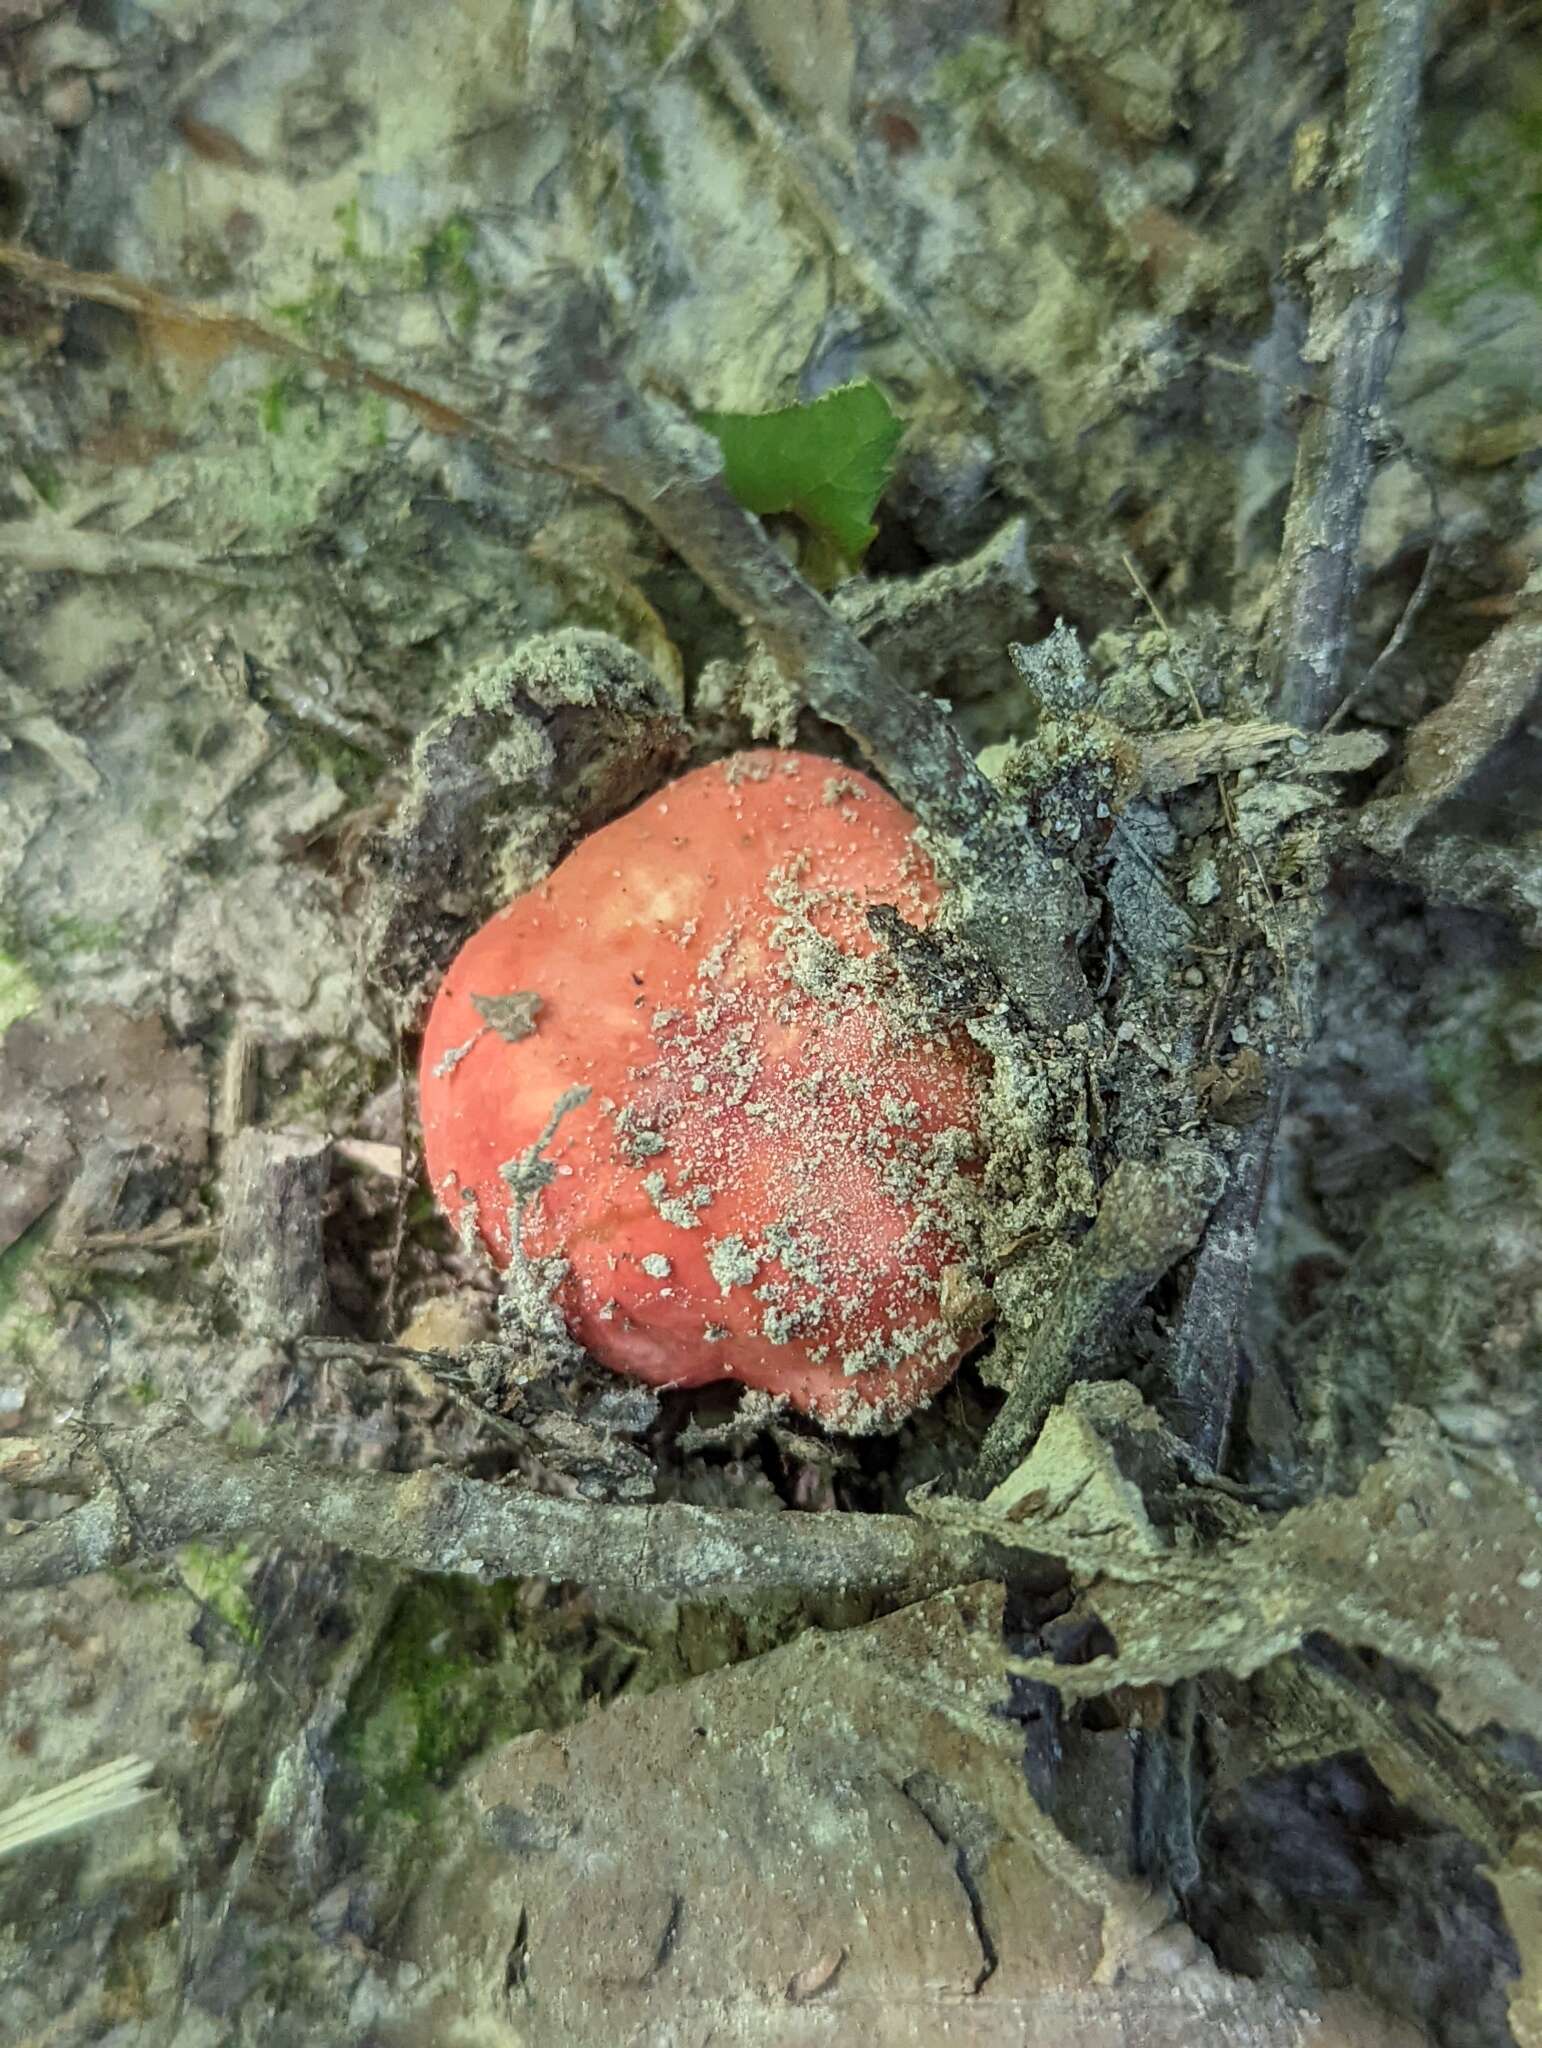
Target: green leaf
(827, 461)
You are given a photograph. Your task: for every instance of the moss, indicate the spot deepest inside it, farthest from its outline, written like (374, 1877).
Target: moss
(320, 317)
(649, 154)
(142, 1582)
(332, 1089)
(347, 218)
(67, 938)
(665, 30)
(25, 1332)
(218, 1579)
(460, 1666)
(20, 993)
(975, 70)
(354, 772)
(442, 265)
(1479, 187)
(276, 398)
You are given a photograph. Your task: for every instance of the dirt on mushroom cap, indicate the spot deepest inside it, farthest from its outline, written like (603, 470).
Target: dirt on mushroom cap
(766, 1182)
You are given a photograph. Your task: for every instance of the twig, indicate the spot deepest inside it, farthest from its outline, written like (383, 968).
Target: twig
(1168, 761)
(239, 1079)
(441, 1369)
(274, 1185)
(1017, 910)
(155, 1237)
(60, 1463)
(583, 419)
(1356, 321)
(179, 1485)
(1150, 1215)
(211, 331)
(46, 548)
(1410, 612)
(799, 161)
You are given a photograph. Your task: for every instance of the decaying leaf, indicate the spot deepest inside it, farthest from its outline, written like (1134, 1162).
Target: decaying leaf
(1216, 1585)
(1518, 1881)
(847, 1852)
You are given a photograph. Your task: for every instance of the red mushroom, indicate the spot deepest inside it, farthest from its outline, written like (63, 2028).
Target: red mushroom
(765, 1180)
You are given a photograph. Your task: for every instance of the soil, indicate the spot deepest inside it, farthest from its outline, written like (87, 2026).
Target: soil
(311, 658)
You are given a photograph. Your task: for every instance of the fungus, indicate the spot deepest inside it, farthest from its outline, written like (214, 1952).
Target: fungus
(768, 1177)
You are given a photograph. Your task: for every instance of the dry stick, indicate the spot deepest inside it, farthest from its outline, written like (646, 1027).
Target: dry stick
(1149, 1217)
(177, 1485)
(208, 331)
(46, 549)
(1356, 320)
(1021, 910)
(1317, 587)
(1417, 599)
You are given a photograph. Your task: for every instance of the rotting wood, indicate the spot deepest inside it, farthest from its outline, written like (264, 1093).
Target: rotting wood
(271, 1250)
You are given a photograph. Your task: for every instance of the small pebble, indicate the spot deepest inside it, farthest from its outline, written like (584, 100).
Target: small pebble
(1204, 883)
(68, 101)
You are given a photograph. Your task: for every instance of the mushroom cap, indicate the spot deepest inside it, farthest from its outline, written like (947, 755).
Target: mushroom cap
(769, 1175)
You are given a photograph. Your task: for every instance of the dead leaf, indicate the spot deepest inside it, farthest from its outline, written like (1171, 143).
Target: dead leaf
(1234, 1091)
(817, 1977)
(216, 145)
(1518, 1881)
(1391, 1568)
(100, 1074)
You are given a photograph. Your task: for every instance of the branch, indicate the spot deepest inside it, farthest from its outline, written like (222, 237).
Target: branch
(175, 1485)
(1356, 321)
(44, 548)
(210, 332)
(584, 418)
(1168, 761)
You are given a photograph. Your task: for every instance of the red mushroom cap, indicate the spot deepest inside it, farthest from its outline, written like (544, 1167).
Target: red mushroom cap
(763, 1183)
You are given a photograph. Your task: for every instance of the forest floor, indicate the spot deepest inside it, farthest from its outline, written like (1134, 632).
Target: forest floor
(345, 352)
